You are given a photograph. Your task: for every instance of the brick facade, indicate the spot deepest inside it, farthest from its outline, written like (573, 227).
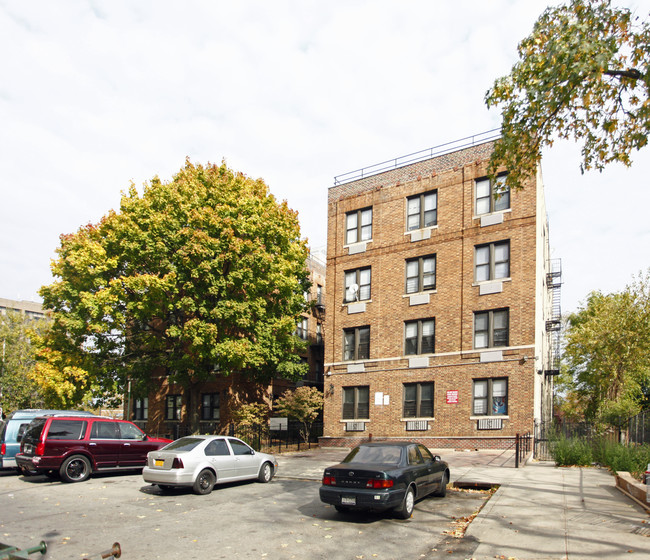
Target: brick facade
(455, 365)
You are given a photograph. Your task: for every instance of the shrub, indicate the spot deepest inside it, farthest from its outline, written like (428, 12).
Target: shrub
(571, 452)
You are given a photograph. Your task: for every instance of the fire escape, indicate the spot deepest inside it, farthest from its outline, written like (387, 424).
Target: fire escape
(554, 322)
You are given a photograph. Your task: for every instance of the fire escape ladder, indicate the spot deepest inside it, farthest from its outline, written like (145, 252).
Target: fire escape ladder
(554, 322)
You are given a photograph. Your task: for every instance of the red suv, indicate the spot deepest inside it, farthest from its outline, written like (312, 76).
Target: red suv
(74, 447)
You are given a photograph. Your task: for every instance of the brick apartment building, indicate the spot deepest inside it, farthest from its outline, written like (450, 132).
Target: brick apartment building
(442, 303)
(165, 410)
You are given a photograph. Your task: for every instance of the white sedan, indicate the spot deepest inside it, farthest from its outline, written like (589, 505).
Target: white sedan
(203, 461)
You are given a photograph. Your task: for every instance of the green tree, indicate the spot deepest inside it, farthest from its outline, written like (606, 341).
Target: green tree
(608, 353)
(18, 357)
(582, 73)
(302, 404)
(200, 275)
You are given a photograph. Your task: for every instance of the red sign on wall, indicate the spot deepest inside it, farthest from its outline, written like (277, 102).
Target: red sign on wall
(452, 397)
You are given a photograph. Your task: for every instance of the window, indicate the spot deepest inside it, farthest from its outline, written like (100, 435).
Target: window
(490, 397)
(301, 328)
(356, 343)
(173, 405)
(419, 337)
(104, 430)
(485, 195)
(320, 300)
(358, 226)
(239, 447)
(491, 328)
(66, 429)
(421, 274)
(414, 457)
(141, 409)
(492, 261)
(356, 403)
(210, 407)
(418, 400)
(357, 285)
(319, 333)
(217, 448)
(129, 431)
(422, 210)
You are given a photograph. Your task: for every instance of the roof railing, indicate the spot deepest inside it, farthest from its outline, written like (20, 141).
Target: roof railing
(415, 157)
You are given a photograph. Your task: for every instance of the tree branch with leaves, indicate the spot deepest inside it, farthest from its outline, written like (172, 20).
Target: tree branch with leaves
(583, 74)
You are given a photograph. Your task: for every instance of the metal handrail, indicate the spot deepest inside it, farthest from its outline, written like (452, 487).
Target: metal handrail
(415, 157)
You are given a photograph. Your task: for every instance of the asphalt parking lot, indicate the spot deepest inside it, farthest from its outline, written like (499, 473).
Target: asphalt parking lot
(282, 519)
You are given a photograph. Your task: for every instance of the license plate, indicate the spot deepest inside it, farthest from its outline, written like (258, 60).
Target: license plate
(348, 501)
(158, 462)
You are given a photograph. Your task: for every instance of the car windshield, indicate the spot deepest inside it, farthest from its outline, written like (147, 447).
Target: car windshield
(365, 454)
(183, 444)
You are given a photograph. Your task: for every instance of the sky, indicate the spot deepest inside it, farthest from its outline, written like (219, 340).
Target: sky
(95, 95)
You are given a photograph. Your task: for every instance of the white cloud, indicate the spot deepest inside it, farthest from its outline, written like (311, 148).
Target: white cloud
(97, 94)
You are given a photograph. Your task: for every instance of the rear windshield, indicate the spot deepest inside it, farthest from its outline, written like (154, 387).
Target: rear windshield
(183, 444)
(66, 429)
(34, 430)
(386, 455)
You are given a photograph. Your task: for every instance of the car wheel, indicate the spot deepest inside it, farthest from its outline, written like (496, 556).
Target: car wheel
(75, 469)
(266, 473)
(442, 491)
(204, 483)
(406, 509)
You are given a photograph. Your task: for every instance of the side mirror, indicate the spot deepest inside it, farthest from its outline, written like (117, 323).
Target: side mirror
(437, 458)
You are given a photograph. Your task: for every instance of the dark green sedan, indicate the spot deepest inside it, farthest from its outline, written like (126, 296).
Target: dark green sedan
(384, 475)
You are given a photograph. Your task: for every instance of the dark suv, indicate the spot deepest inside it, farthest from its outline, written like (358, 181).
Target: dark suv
(75, 447)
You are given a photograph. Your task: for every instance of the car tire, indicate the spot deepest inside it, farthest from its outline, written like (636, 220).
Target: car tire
(442, 491)
(75, 469)
(405, 510)
(266, 473)
(204, 483)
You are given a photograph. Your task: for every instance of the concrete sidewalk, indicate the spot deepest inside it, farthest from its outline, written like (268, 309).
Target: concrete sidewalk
(539, 511)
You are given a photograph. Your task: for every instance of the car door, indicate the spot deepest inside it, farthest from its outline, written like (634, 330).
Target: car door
(133, 445)
(222, 459)
(104, 443)
(246, 462)
(419, 470)
(435, 469)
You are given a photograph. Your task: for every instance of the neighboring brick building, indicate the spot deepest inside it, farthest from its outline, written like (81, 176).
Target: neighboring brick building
(441, 324)
(165, 410)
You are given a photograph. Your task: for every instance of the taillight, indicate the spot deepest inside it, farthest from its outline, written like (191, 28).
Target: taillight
(329, 481)
(3, 449)
(40, 449)
(377, 483)
(177, 464)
